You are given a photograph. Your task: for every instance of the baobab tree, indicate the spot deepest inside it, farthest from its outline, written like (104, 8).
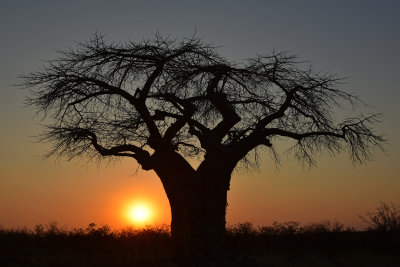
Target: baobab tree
(163, 102)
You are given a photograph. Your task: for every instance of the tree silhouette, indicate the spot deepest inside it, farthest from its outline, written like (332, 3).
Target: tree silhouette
(384, 218)
(162, 102)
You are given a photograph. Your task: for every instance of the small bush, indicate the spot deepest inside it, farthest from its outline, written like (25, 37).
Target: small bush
(325, 226)
(284, 228)
(242, 229)
(384, 218)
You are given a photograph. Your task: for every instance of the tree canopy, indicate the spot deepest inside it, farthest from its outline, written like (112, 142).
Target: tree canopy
(132, 99)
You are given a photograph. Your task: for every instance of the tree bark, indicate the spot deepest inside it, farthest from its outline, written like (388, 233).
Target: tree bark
(198, 201)
(198, 224)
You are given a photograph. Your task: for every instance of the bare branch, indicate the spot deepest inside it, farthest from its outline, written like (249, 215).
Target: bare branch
(162, 94)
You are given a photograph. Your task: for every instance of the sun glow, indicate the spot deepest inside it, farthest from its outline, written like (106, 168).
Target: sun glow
(140, 214)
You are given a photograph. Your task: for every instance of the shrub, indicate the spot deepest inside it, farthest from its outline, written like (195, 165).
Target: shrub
(325, 226)
(385, 218)
(277, 228)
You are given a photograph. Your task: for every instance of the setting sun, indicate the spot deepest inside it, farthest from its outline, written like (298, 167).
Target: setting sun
(140, 214)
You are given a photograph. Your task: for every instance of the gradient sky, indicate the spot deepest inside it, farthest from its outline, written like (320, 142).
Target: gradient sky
(355, 39)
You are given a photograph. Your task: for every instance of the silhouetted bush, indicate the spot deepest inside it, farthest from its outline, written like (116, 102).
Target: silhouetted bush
(284, 228)
(324, 227)
(385, 218)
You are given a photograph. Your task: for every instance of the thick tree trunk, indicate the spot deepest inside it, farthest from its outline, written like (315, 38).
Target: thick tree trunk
(198, 222)
(198, 200)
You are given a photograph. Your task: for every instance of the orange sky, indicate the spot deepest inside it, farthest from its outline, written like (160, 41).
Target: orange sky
(362, 45)
(76, 195)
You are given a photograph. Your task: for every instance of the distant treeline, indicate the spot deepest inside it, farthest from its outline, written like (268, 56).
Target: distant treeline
(280, 244)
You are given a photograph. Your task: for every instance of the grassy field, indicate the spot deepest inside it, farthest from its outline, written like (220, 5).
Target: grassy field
(281, 244)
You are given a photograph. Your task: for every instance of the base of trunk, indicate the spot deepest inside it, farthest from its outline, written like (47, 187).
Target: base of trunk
(198, 227)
